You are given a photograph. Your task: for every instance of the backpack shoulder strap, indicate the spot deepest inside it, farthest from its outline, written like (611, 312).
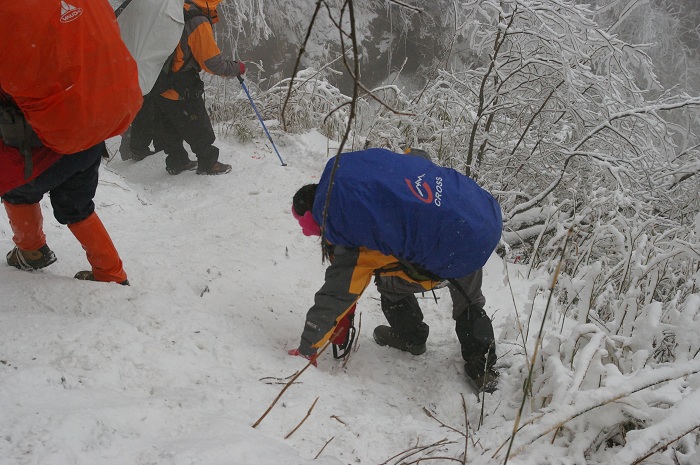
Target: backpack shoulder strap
(194, 11)
(418, 272)
(16, 131)
(413, 271)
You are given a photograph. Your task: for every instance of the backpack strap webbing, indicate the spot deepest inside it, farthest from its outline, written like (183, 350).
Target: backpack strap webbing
(16, 132)
(25, 149)
(418, 273)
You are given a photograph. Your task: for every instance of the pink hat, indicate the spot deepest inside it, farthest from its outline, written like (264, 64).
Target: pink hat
(308, 225)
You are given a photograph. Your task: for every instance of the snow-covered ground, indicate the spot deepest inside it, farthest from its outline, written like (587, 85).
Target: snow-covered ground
(176, 368)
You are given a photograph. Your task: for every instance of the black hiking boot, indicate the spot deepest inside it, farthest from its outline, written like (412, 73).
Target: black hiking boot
(140, 154)
(124, 146)
(125, 153)
(31, 259)
(385, 336)
(189, 166)
(216, 168)
(89, 276)
(480, 381)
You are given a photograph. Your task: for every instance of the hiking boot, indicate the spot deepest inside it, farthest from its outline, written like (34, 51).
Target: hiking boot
(31, 259)
(385, 336)
(216, 168)
(88, 276)
(189, 166)
(124, 146)
(125, 153)
(482, 382)
(139, 154)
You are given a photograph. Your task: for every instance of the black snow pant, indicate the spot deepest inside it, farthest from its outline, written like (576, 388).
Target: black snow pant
(142, 130)
(71, 183)
(473, 326)
(188, 121)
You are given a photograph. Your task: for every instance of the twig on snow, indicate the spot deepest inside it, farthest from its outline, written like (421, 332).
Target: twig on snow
(466, 429)
(291, 381)
(414, 450)
(339, 420)
(430, 414)
(308, 414)
(324, 446)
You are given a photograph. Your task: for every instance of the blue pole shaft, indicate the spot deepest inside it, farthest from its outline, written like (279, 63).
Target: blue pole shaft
(240, 79)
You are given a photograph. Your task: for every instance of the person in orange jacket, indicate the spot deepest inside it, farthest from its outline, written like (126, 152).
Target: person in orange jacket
(180, 113)
(71, 181)
(53, 124)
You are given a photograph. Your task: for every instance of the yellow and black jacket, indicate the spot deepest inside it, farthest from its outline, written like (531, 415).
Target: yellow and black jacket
(347, 277)
(198, 49)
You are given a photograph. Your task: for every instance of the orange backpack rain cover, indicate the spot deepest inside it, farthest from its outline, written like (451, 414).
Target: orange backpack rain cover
(66, 67)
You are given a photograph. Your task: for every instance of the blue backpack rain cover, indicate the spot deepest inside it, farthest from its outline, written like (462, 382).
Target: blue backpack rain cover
(408, 207)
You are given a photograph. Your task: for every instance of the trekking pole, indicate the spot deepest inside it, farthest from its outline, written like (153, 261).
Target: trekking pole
(121, 8)
(240, 79)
